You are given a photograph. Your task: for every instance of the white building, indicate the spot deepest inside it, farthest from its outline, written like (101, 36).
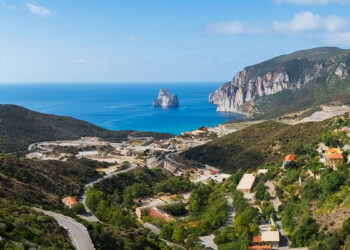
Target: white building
(246, 184)
(271, 237)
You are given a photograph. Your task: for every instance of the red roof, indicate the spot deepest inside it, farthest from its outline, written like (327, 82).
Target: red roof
(335, 156)
(69, 201)
(264, 247)
(289, 157)
(213, 171)
(257, 239)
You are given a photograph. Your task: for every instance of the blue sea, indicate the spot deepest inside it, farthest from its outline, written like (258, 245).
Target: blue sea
(121, 106)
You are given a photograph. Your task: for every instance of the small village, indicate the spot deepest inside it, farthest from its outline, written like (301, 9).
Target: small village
(162, 154)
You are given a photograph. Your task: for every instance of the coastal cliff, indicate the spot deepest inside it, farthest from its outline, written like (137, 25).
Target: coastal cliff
(288, 72)
(166, 100)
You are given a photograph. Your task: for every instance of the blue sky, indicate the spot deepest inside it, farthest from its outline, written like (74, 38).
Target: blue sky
(158, 40)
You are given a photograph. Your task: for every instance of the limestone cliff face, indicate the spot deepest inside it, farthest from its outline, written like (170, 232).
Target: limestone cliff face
(273, 76)
(166, 100)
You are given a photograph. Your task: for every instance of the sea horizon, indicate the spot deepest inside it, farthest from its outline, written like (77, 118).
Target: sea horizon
(121, 106)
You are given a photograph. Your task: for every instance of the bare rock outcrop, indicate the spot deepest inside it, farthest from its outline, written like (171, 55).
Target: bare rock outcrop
(166, 100)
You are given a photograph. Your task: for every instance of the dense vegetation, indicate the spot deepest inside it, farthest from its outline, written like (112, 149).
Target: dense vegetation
(255, 146)
(20, 127)
(310, 96)
(24, 228)
(207, 211)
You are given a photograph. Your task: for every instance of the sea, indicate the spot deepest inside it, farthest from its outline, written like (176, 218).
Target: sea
(121, 106)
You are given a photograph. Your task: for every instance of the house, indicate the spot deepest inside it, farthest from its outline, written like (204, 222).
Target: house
(288, 158)
(158, 213)
(70, 201)
(246, 184)
(272, 238)
(333, 157)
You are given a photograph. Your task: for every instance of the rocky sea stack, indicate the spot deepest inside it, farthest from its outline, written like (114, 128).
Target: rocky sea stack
(166, 100)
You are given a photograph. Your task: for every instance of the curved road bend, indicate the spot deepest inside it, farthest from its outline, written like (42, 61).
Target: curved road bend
(77, 232)
(82, 199)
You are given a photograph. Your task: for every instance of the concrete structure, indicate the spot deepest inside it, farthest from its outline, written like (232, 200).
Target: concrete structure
(246, 184)
(170, 167)
(272, 238)
(154, 163)
(70, 201)
(262, 171)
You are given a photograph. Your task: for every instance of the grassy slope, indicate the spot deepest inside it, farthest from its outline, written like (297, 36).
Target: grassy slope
(310, 95)
(43, 182)
(256, 145)
(19, 127)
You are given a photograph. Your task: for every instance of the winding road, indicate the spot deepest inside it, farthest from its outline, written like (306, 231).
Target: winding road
(284, 243)
(77, 232)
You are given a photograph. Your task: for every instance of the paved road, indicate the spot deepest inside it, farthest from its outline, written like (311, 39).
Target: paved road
(82, 199)
(284, 244)
(77, 232)
(230, 212)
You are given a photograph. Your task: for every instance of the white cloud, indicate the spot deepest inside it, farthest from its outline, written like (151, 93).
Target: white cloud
(307, 21)
(6, 5)
(234, 28)
(312, 2)
(38, 10)
(334, 30)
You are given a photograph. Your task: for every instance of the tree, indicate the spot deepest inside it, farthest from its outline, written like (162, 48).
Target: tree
(78, 209)
(178, 234)
(193, 242)
(167, 231)
(260, 190)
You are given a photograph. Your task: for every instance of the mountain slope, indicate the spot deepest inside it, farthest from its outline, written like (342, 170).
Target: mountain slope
(255, 146)
(19, 127)
(259, 87)
(44, 183)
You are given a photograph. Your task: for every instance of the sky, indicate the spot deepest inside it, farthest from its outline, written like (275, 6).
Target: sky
(65, 41)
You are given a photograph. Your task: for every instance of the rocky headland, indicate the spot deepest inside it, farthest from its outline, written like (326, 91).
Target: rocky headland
(287, 72)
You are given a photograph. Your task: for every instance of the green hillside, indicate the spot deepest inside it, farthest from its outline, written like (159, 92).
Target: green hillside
(19, 127)
(256, 145)
(44, 183)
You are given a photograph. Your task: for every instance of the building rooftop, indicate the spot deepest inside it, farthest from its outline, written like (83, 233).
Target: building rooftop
(270, 236)
(263, 247)
(246, 182)
(289, 157)
(70, 201)
(335, 156)
(256, 239)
